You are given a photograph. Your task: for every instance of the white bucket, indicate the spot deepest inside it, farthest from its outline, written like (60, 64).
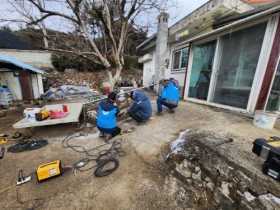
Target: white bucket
(264, 119)
(29, 113)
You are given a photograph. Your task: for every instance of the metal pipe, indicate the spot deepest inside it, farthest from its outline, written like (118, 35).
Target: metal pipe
(85, 114)
(100, 99)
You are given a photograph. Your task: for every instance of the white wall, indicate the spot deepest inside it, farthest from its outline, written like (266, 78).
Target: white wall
(35, 87)
(178, 75)
(36, 58)
(149, 70)
(40, 83)
(8, 79)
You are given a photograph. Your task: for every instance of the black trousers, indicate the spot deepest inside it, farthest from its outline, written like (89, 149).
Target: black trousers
(114, 132)
(136, 117)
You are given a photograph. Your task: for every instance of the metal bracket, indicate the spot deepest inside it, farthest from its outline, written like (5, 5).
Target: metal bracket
(265, 152)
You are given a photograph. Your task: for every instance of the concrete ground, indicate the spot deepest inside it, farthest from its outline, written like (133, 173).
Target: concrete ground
(142, 180)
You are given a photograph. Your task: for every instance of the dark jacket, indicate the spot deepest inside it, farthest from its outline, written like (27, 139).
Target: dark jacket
(141, 105)
(107, 115)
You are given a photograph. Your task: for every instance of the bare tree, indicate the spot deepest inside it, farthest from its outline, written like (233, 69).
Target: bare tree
(25, 15)
(111, 18)
(104, 25)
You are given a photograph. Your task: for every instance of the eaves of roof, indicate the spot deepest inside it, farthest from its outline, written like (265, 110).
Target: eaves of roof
(236, 17)
(273, 10)
(5, 59)
(148, 43)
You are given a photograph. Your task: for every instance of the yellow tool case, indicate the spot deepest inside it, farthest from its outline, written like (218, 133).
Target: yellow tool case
(49, 170)
(267, 148)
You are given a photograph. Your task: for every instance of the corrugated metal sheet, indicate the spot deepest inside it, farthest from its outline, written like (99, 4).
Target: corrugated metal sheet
(5, 59)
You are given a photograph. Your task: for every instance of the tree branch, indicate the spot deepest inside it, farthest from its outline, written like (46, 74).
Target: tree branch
(83, 54)
(53, 13)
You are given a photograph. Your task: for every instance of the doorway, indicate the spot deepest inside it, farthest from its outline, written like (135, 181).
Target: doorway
(25, 84)
(201, 71)
(239, 56)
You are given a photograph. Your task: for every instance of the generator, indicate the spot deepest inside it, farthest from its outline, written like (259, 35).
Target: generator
(42, 115)
(49, 170)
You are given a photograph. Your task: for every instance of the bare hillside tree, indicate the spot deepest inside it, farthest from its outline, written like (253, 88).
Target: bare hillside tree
(24, 15)
(110, 18)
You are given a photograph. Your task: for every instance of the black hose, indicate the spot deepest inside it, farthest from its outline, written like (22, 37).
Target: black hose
(28, 145)
(99, 172)
(102, 158)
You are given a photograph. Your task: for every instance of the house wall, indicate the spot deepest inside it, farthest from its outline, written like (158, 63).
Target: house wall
(178, 75)
(35, 86)
(149, 70)
(8, 79)
(40, 83)
(260, 69)
(36, 58)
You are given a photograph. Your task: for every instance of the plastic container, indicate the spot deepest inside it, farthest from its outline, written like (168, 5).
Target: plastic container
(4, 90)
(64, 108)
(264, 119)
(29, 113)
(106, 90)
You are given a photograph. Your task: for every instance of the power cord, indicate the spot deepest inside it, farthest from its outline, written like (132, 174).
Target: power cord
(103, 158)
(42, 201)
(22, 179)
(28, 145)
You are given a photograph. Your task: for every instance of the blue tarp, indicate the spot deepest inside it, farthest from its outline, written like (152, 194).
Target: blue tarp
(6, 59)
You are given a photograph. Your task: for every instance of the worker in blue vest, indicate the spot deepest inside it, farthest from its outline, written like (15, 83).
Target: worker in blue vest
(169, 95)
(141, 109)
(107, 118)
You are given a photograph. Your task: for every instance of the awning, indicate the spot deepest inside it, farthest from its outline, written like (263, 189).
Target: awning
(5, 59)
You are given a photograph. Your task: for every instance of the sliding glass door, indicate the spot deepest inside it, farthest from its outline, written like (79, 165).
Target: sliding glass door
(201, 70)
(273, 103)
(239, 55)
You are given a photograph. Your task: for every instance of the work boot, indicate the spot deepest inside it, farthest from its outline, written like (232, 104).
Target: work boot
(172, 111)
(159, 113)
(108, 136)
(143, 122)
(102, 135)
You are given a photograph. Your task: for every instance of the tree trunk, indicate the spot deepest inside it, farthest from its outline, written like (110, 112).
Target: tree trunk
(46, 42)
(114, 79)
(43, 27)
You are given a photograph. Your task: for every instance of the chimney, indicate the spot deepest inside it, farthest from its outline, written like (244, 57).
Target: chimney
(161, 46)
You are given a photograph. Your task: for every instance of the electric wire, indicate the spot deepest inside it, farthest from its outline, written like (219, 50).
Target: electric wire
(7, 188)
(102, 157)
(28, 145)
(40, 201)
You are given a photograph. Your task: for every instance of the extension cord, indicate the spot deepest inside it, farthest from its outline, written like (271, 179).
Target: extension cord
(24, 180)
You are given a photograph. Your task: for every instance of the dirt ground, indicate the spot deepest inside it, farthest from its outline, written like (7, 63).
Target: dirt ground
(142, 180)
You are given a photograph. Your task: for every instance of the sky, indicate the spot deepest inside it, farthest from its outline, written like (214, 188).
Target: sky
(182, 8)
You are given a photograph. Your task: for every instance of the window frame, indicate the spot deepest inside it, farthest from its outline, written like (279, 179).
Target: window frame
(180, 61)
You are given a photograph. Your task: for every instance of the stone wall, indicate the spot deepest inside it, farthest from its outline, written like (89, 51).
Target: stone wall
(214, 181)
(36, 58)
